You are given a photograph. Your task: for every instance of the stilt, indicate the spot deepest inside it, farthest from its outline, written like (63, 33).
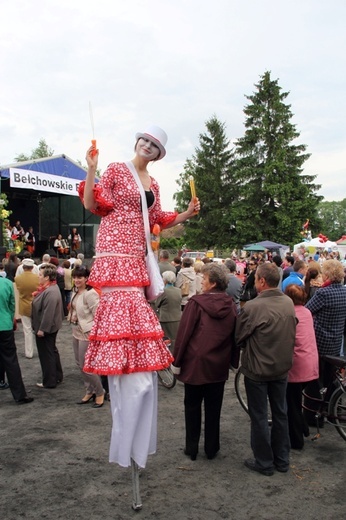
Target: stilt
(137, 502)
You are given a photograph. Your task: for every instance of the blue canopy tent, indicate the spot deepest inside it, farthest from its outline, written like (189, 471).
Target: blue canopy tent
(253, 247)
(267, 244)
(43, 203)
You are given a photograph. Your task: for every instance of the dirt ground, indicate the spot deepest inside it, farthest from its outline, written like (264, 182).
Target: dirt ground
(54, 462)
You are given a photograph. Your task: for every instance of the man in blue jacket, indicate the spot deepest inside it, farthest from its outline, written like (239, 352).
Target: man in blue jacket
(297, 275)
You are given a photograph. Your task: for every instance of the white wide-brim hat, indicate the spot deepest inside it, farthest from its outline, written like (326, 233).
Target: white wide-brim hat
(28, 262)
(157, 136)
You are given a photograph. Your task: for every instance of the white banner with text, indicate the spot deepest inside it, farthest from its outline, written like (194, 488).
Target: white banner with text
(39, 181)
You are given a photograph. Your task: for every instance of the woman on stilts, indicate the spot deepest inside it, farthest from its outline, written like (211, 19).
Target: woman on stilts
(125, 342)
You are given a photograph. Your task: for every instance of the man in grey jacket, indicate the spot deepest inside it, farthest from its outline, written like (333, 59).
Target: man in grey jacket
(266, 331)
(235, 285)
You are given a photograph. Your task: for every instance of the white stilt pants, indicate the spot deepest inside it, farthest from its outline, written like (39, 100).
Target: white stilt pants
(134, 413)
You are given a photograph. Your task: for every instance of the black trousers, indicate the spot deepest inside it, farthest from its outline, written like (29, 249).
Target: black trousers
(49, 359)
(270, 446)
(297, 425)
(212, 395)
(9, 363)
(2, 370)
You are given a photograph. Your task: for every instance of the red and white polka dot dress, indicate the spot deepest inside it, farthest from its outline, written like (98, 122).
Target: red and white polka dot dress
(126, 336)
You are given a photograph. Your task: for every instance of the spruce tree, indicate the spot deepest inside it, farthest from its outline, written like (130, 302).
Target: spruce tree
(275, 196)
(210, 167)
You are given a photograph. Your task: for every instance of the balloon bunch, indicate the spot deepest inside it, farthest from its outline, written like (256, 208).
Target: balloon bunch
(306, 233)
(322, 238)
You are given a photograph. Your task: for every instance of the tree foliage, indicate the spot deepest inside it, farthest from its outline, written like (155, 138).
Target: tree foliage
(257, 191)
(332, 216)
(40, 152)
(275, 195)
(43, 151)
(210, 167)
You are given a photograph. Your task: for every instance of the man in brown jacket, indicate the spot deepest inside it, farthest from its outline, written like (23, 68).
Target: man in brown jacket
(266, 331)
(26, 284)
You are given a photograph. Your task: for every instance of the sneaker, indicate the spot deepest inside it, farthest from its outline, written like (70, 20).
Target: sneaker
(3, 385)
(251, 464)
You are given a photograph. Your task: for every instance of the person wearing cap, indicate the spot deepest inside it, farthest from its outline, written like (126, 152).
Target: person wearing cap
(20, 269)
(125, 342)
(26, 284)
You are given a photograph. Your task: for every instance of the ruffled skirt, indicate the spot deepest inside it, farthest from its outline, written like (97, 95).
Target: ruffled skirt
(126, 336)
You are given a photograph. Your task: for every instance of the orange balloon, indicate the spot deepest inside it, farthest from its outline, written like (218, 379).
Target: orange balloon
(156, 229)
(155, 244)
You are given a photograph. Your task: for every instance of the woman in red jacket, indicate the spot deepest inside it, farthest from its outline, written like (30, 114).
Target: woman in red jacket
(202, 354)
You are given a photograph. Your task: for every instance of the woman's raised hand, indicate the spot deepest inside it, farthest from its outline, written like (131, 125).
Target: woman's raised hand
(194, 206)
(92, 157)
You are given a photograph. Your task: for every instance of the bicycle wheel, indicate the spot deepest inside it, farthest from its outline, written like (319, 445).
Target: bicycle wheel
(239, 386)
(240, 391)
(167, 378)
(337, 411)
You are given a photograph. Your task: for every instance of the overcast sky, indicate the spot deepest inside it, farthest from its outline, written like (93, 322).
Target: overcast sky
(174, 64)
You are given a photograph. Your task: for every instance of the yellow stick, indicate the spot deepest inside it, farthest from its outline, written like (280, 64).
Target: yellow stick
(193, 190)
(192, 187)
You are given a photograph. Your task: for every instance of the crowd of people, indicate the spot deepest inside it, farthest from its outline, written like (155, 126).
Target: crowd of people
(280, 315)
(210, 312)
(37, 295)
(291, 312)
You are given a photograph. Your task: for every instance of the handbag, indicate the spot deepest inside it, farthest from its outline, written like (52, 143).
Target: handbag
(185, 288)
(156, 287)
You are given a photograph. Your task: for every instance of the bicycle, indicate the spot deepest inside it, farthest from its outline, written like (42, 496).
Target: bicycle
(333, 411)
(166, 376)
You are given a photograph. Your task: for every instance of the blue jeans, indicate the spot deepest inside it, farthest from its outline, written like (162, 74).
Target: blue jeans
(270, 445)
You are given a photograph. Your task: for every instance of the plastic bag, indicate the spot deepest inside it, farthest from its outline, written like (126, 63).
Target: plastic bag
(156, 287)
